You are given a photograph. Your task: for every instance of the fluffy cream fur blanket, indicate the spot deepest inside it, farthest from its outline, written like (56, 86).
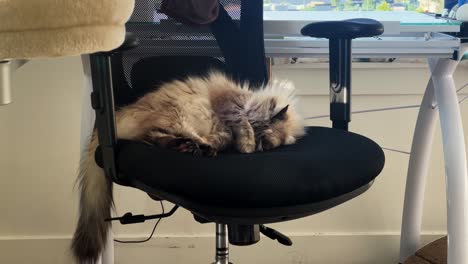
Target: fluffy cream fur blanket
(51, 28)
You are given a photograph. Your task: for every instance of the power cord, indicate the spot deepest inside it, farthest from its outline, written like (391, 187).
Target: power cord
(149, 237)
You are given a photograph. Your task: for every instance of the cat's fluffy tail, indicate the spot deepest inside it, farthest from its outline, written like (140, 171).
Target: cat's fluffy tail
(95, 206)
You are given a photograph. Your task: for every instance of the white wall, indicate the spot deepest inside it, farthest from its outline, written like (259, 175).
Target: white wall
(39, 150)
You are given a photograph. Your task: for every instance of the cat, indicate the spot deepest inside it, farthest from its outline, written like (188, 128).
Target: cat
(199, 115)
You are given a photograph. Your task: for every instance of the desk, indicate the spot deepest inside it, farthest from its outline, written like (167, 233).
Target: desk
(407, 34)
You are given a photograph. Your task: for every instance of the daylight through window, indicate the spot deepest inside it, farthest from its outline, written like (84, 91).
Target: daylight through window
(433, 6)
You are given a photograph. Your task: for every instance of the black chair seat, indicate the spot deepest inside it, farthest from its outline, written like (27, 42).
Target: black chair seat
(291, 181)
(345, 29)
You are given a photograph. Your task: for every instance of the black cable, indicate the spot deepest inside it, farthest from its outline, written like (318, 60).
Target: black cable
(150, 236)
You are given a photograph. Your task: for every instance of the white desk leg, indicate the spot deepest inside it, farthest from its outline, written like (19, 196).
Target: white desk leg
(455, 160)
(87, 124)
(108, 254)
(416, 178)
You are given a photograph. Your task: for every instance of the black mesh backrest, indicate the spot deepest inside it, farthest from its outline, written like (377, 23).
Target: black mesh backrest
(151, 72)
(238, 41)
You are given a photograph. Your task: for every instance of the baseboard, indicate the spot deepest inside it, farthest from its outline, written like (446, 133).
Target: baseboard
(307, 249)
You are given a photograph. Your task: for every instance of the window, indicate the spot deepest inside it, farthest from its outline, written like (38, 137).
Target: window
(433, 6)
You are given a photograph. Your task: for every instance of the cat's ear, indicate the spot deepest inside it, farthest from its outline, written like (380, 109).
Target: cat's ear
(281, 115)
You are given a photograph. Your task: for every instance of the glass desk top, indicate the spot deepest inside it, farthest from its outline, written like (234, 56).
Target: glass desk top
(405, 18)
(395, 22)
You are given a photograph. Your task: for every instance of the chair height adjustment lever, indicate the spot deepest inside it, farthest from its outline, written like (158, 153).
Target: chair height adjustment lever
(129, 218)
(275, 235)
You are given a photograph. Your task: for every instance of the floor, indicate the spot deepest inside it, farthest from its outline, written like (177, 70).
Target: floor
(433, 253)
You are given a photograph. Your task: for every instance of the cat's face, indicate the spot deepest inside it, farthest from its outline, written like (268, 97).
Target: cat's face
(282, 127)
(273, 116)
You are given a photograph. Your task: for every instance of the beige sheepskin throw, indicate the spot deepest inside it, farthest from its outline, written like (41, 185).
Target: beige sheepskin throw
(52, 28)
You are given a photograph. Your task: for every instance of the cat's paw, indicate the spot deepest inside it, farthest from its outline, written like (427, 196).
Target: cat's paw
(208, 151)
(190, 146)
(246, 147)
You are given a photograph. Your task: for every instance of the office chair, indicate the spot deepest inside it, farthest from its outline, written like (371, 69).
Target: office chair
(240, 193)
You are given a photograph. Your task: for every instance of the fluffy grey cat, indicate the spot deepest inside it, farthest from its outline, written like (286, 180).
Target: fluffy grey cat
(202, 116)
